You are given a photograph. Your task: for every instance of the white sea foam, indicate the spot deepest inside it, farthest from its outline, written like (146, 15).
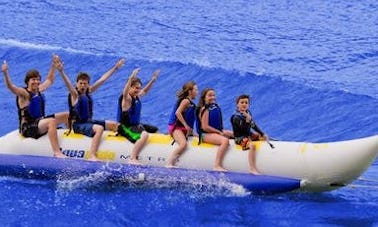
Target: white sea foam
(39, 46)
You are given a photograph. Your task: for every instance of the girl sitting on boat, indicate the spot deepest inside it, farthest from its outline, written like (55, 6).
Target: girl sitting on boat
(182, 118)
(210, 125)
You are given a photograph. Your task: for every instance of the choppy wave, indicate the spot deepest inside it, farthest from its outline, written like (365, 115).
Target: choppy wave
(39, 47)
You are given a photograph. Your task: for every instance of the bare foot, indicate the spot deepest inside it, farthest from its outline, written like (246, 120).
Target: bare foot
(254, 172)
(93, 159)
(171, 166)
(220, 168)
(59, 155)
(134, 162)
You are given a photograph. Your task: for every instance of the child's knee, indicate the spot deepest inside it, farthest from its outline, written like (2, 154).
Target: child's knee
(183, 146)
(144, 135)
(98, 129)
(225, 142)
(51, 122)
(113, 126)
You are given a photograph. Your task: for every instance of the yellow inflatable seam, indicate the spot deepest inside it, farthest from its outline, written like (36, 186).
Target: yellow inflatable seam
(320, 146)
(106, 155)
(73, 135)
(303, 148)
(257, 145)
(114, 137)
(153, 138)
(160, 139)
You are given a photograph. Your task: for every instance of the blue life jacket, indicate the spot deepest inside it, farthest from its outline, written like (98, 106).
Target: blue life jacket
(188, 114)
(35, 109)
(215, 117)
(132, 115)
(82, 111)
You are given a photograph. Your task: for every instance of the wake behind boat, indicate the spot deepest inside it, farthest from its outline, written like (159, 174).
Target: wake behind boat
(40, 167)
(319, 166)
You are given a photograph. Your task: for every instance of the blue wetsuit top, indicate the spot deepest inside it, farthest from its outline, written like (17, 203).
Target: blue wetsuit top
(241, 127)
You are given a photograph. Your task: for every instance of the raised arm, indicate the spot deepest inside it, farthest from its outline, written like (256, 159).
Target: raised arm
(149, 84)
(106, 75)
(133, 75)
(67, 82)
(126, 103)
(13, 88)
(50, 76)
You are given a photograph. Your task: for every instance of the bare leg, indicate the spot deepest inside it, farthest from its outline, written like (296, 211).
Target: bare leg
(62, 118)
(252, 159)
(138, 146)
(49, 125)
(111, 125)
(223, 143)
(98, 129)
(220, 155)
(180, 139)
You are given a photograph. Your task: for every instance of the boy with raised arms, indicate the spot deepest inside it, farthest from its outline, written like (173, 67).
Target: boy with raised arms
(130, 111)
(81, 106)
(30, 102)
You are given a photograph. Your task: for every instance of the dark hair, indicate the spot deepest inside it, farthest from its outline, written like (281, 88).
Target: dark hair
(33, 73)
(201, 102)
(135, 81)
(243, 96)
(83, 76)
(184, 92)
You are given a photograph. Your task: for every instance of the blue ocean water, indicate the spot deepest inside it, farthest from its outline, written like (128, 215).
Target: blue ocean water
(310, 68)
